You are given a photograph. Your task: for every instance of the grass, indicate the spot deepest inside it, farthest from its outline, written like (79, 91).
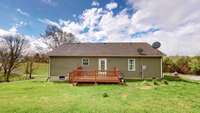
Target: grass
(37, 96)
(40, 70)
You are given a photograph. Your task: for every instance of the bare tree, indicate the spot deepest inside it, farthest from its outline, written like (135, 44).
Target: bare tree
(11, 53)
(54, 36)
(0, 67)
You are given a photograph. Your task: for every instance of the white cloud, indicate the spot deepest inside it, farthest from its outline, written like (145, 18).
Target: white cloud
(3, 32)
(178, 23)
(111, 5)
(37, 45)
(13, 30)
(90, 17)
(95, 3)
(164, 14)
(49, 2)
(48, 22)
(176, 42)
(22, 12)
(72, 27)
(15, 27)
(34, 45)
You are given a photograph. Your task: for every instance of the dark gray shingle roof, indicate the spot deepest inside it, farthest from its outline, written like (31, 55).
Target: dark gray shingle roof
(105, 49)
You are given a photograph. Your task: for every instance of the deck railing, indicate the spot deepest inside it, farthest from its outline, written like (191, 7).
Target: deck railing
(80, 75)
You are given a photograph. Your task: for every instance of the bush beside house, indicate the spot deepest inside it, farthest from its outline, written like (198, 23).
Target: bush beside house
(182, 64)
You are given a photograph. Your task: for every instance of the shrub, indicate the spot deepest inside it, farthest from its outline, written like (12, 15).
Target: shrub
(155, 82)
(169, 65)
(153, 78)
(183, 65)
(105, 95)
(165, 82)
(195, 65)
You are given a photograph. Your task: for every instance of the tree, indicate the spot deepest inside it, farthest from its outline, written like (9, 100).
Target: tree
(41, 58)
(183, 65)
(29, 66)
(169, 65)
(36, 57)
(11, 53)
(54, 36)
(195, 65)
(0, 66)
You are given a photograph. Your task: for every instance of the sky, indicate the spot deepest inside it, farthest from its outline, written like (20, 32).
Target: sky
(176, 24)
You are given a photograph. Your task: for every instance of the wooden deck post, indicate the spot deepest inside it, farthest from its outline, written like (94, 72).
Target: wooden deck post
(95, 76)
(69, 78)
(117, 73)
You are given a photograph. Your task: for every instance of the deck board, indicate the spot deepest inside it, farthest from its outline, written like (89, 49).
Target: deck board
(98, 79)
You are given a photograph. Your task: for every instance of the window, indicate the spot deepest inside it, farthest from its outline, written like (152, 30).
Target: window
(131, 64)
(85, 61)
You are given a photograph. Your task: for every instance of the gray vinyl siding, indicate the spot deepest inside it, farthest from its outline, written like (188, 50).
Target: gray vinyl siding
(64, 65)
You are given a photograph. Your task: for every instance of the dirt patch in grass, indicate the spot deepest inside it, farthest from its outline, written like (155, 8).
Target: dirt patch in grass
(146, 87)
(125, 95)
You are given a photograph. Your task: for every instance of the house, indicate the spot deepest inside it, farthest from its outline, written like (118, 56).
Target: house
(133, 60)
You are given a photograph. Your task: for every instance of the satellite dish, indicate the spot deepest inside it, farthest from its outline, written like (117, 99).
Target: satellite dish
(156, 45)
(140, 50)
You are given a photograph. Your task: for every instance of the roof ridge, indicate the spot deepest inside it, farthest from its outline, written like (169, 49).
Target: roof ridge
(108, 43)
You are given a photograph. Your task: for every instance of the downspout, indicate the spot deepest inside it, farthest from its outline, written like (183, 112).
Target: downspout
(141, 70)
(161, 67)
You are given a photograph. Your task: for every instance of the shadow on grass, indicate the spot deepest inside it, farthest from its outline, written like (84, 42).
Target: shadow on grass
(60, 82)
(168, 78)
(38, 81)
(97, 84)
(13, 77)
(172, 78)
(136, 80)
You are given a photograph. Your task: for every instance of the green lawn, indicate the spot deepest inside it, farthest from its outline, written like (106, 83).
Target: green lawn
(40, 70)
(37, 96)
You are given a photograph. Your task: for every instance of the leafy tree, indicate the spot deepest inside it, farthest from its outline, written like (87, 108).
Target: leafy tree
(11, 53)
(169, 65)
(183, 65)
(54, 36)
(195, 65)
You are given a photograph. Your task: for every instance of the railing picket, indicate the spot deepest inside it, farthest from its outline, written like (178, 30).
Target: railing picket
(79, 75)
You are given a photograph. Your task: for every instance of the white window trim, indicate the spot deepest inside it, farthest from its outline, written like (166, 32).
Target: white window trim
(84, 64)
(100, 63)
(133, 64)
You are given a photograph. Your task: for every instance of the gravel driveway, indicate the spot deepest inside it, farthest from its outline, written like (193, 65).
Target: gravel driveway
(191, 77)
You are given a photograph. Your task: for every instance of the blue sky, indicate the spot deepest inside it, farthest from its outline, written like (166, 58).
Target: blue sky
(41, 9)
(176, 24)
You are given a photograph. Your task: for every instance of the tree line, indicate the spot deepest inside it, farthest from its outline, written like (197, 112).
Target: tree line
(13, 50)
(182, 64)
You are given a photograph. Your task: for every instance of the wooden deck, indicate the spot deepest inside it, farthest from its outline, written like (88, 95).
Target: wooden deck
(78, 76)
